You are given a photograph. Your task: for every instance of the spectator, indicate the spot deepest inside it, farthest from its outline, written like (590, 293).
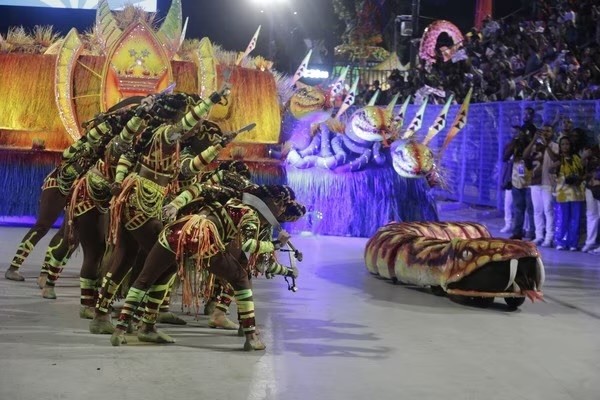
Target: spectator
(591, 163)
(542, 183)
(570, 196)
(521, 177)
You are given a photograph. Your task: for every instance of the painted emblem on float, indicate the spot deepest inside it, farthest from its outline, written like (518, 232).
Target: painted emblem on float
(136, 65)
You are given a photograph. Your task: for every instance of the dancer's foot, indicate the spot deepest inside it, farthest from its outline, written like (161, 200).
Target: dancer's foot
(170, 318)
(241, 332)
(101, 325)
(209, 307)
(253, 343)
(48, 292)
(149, 333)
(41, 280)
(218, 319)
(132, 326)
(13, 274)
(118, 337)
(86, 312)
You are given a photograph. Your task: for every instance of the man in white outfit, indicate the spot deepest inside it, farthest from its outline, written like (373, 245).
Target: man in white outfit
(539, 161)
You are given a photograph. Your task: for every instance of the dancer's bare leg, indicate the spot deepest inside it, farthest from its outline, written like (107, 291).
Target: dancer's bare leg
(52, 201)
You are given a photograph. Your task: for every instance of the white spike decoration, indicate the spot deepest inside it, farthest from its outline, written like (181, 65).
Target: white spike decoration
(250, 47)
(399, 118)
(337, 86)
(349, 99)
(182, 38)
(439, 123)
(417, 121)
(302, 68)
(390, 108)
(374, 98)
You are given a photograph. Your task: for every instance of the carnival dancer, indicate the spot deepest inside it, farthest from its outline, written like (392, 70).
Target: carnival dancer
(198, 151)
(86, 210)
(229, 174)
(232, 174)
(136, 212)
(215, 236)
(76, 159)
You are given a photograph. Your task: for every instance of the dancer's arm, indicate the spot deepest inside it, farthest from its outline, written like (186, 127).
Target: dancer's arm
(192, 165)
(92, 136)
(174, 132)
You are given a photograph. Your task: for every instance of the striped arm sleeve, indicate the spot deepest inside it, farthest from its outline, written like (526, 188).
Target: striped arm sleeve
(131, 129)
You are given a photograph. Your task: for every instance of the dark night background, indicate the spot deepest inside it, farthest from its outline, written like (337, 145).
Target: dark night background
(231, 23)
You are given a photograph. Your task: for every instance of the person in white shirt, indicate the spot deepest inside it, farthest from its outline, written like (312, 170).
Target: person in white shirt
(542, 182)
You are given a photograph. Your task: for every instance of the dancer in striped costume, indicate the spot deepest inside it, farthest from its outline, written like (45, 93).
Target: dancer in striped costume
(76, 160)
(136, 212)
(215, 235)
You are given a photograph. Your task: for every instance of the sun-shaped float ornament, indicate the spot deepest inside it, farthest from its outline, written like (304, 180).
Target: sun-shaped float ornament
(137, 62)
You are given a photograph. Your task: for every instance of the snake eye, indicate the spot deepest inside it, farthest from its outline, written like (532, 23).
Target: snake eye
(466, 255)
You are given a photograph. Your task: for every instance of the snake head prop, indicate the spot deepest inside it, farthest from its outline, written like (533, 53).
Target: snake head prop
(309, 103)
(369, 124)
(492, 267)
(411, 159)
(459, 257)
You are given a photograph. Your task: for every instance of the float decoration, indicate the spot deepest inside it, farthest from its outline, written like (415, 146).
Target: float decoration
(108, 28)
(68, 54)
(427, 49)
(170, 32)
(416, 122)
(207, 68)
(439, 123)
(459, 121)
(135, 65)
(249, 48)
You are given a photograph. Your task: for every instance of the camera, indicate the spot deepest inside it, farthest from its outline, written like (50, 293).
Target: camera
(571, 179)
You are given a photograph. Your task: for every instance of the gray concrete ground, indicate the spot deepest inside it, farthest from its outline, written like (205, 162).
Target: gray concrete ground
(344, 335)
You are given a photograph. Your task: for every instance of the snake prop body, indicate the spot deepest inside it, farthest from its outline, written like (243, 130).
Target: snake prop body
(457, 258)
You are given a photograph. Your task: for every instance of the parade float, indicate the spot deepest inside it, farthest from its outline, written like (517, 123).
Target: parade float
(53, 85)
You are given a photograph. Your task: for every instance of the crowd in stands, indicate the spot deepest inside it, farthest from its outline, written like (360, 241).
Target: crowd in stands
(552, 55)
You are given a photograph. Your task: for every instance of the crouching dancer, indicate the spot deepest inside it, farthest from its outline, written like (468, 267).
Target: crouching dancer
(215, 235)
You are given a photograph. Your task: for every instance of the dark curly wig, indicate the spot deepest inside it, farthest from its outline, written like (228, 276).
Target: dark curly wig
(167, 108)
(239, 167)
(282, 196)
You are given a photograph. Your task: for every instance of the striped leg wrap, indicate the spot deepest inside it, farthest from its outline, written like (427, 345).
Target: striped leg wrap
(132, 304)
(107, 292)
(166, 304)
(54, 266)
(278, 269)
(25, 247)
(88, 292)
(245, 304)
(156, 295)
(224, 298)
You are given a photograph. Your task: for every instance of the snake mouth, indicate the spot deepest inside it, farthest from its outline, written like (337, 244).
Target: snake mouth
(509, 278)
(315, 103)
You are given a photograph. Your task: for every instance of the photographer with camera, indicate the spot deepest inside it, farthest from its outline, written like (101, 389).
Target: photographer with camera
(520, 180)
(542, 182)
(570, 195)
